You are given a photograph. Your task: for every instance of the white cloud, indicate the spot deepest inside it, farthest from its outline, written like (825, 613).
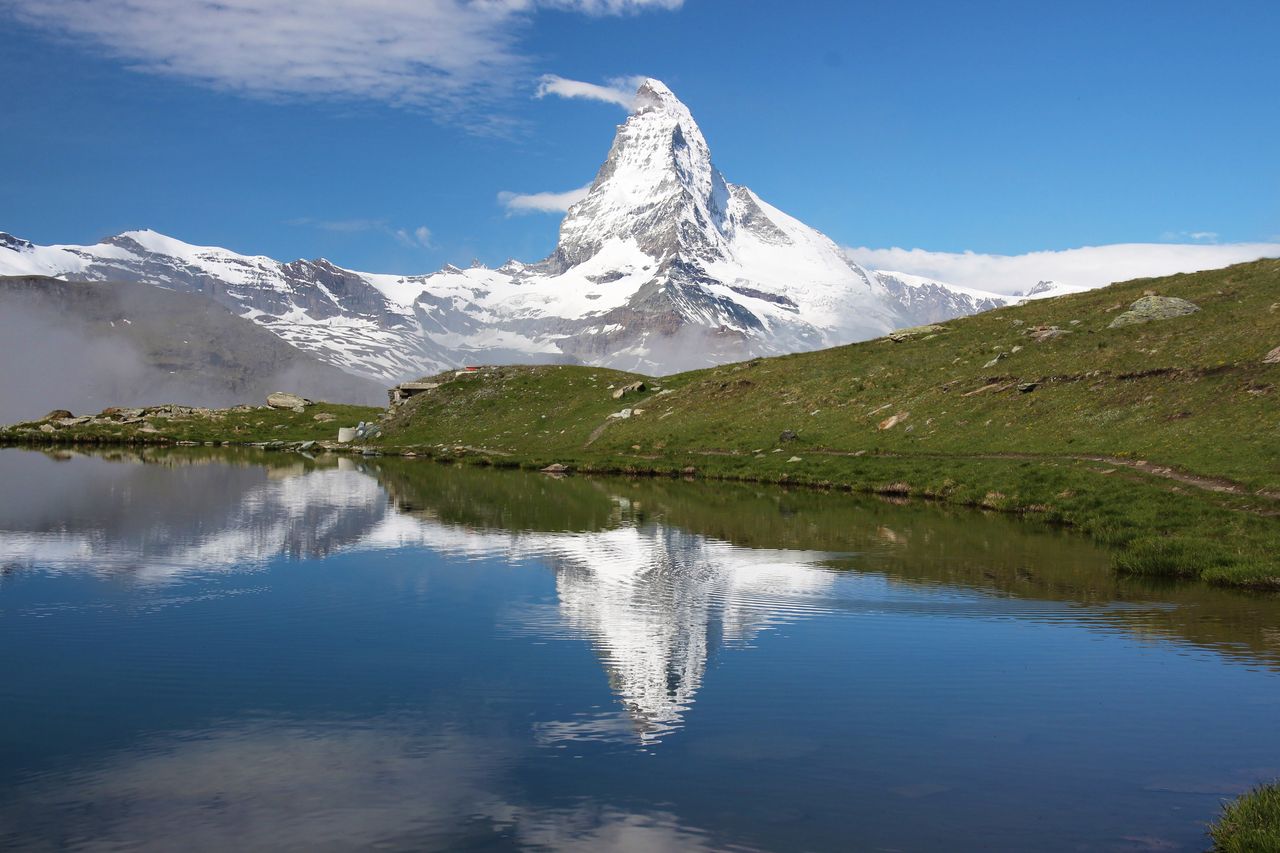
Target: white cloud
(617, 90)
(452, 56)
(1090, 266)
(417, 238)
(517, 203)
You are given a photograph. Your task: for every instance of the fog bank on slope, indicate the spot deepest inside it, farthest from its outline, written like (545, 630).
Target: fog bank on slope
(87, 346)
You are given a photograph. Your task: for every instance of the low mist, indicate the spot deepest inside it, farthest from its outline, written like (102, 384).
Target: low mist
(54, 359)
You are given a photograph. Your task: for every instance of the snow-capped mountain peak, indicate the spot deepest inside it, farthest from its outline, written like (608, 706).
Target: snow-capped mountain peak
(1048, 290)
(657, 188)
(664, 265)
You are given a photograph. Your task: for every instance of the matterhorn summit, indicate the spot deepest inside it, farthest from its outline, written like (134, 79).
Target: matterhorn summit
(657, 188)
(664, 265)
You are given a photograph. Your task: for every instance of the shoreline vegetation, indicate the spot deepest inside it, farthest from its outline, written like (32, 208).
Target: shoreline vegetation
(1250, 823)
(1145, 415)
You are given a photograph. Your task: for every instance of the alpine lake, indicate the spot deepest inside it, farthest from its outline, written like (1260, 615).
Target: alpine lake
(212, 650)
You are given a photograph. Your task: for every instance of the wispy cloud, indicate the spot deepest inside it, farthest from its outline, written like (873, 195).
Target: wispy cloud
(1193, 236)
(611, 7)
(1090, 266)
(414, 238)
(616, 90)
(518, 203)
(453, 56)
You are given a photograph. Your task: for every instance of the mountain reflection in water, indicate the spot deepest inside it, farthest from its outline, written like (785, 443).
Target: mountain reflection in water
(656, 575)
(228, 650)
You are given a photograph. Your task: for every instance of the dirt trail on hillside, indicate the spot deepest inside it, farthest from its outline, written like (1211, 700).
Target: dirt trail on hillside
(1212, 484)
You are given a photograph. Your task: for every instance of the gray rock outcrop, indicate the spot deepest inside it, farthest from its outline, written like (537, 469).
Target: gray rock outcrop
(1150, 308)
(283, 400)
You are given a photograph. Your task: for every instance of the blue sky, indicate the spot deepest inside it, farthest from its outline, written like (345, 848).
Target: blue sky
(341, 129)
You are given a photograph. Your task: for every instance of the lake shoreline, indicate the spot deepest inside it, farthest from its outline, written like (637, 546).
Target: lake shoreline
(1124, 507)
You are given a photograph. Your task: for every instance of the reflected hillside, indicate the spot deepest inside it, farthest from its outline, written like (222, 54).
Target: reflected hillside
(1053, 573)
(658, 575)
(154, 516)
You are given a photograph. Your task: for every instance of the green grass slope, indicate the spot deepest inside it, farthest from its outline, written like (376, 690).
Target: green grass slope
(1162, 438)
(167, 424)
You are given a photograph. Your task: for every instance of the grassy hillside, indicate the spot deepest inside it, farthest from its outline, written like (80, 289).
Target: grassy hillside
(1161, 438)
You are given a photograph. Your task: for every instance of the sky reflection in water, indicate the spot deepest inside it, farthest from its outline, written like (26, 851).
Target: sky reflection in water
(208, 653)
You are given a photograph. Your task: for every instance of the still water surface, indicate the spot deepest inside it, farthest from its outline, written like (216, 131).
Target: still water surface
(269, 652)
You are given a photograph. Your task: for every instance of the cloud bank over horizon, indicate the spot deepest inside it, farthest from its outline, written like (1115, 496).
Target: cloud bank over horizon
(1087, 266)
(448, 56)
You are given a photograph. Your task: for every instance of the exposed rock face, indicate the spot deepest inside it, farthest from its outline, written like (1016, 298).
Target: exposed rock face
(1150, 308)
(633, 388)
(8, 241)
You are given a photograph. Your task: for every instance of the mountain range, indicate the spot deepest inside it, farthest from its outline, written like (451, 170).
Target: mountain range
(663, 266)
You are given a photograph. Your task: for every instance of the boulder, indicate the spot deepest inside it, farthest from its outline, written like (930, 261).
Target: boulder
(282, 400)
(324, 417)
(1028, 387)
(555, 468)
(346, 434)
(893, 420)
(1041, 333)
(787, 435)
(1000, 356)
(1272, 357)
(900, 335)
(621, 415)
(633, 388)
(57, 415)
(1150, 308)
